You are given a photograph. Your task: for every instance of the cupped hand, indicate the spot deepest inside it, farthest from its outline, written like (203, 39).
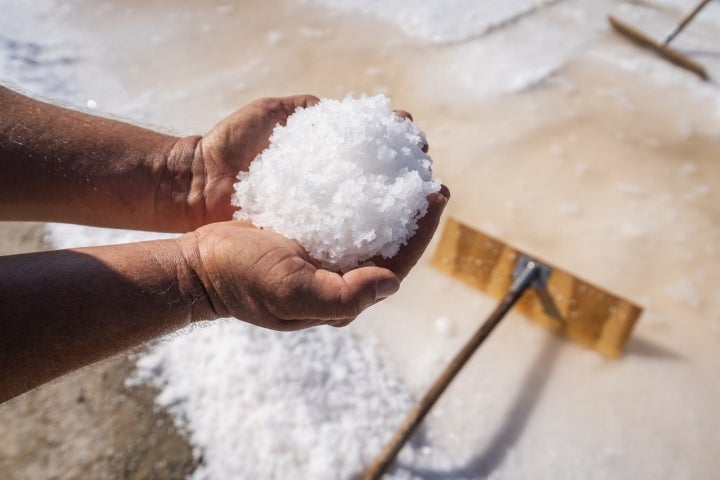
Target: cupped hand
(231, 145)
(268, 280)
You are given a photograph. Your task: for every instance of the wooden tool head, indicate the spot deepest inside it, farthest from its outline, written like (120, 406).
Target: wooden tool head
(577, 309)
(660, 48)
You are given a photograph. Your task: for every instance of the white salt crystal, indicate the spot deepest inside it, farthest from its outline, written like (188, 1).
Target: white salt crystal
(443, 326)
(317, 404)
(346, 179)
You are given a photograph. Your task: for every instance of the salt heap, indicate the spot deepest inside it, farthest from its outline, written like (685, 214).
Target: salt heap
(345, 179)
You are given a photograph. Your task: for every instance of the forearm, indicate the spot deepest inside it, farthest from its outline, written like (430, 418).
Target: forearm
(66, 309)
(67, 166)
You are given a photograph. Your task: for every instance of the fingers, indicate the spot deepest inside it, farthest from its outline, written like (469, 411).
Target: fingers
(346, 296)
(324, 297)
(292, 103)
(303, 100)
(378, 283)
(384, 288)
(240, 137)
(403, 114)
(408, 256)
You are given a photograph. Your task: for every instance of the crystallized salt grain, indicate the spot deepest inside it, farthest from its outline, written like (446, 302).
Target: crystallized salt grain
(348, 180)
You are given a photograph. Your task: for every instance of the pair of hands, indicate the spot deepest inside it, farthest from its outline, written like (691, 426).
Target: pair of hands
(260, 276)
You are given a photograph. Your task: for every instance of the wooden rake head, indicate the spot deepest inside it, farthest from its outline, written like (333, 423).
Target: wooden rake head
(558, 300)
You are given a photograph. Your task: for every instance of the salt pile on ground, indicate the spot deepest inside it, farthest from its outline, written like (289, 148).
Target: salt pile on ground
(316, 404)
(346, 179)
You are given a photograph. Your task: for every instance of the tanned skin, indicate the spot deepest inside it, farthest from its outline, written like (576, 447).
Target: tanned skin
(65, 309)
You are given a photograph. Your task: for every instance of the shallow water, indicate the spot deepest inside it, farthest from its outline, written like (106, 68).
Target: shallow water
(552, 133)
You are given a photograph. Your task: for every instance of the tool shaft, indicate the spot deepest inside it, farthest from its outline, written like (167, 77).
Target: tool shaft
(421, 409)
(680, 26)
(661, 48)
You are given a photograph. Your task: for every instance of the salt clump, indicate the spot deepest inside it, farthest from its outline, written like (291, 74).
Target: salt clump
(345, 179)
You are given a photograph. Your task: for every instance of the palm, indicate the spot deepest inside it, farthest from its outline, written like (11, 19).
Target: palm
(232, 144)
(269, 280)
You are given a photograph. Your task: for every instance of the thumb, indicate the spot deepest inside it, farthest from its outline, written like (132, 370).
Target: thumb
(364, 287)
(378, 283)
(337, 299)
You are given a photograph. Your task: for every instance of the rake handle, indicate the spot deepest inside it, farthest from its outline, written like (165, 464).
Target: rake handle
(422, 408)
(686, 19)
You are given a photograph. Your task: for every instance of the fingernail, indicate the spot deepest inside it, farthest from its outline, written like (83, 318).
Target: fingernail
(445, 191)
(385, 288)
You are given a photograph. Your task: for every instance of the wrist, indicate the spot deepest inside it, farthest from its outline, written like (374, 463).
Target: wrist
(194, 282)
(179, 201)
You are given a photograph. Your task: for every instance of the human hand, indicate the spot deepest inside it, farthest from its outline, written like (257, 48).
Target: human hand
(232, 144)
(270, 281)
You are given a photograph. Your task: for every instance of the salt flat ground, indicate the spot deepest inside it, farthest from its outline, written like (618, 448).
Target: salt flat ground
(551, 131)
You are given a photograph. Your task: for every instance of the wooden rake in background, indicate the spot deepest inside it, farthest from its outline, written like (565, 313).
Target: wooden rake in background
(556, 299)
(662, 47)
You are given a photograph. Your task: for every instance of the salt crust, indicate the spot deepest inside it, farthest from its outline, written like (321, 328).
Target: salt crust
(348, 180)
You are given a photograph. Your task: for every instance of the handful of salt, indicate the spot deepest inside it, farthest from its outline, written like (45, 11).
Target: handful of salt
(345, 179)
